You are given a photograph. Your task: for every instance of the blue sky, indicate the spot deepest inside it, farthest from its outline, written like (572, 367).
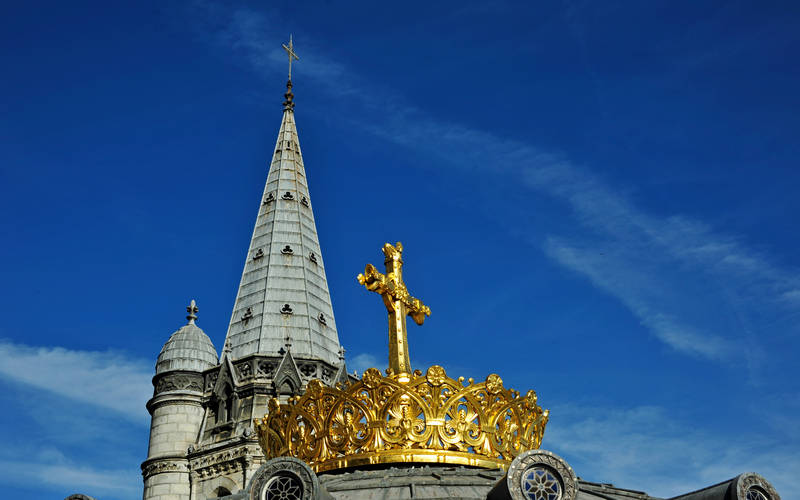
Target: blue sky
(596, 199)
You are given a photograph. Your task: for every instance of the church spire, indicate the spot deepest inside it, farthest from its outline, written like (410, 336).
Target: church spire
(283, 296)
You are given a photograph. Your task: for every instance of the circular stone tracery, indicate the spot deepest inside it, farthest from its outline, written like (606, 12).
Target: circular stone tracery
(541, 475)
(755, 493)
(751, 486)
(283, 487)
(541, 483)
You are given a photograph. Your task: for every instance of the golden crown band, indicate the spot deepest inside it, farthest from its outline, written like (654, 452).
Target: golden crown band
(397, 418)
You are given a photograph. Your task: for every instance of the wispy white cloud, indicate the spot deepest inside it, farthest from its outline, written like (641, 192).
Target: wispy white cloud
(677, 237)
(252, 35)
(644, 250)
(641, 290)
(102, 379)
(655, 450)
(49, 468)
(73, 411)
(361, 362)
(663, 267)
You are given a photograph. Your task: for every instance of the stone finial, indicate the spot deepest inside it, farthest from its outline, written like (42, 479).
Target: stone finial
(226, 349)
(192, 310)
(288, 103)
(341, 353)
(288, 343)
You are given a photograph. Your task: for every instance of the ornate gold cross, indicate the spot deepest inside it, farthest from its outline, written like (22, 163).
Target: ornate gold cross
(290, 52)
(398, 302)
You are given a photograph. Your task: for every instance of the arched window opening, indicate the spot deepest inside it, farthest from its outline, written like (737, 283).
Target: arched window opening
(230, 406)
(286, 388)
(225, 405)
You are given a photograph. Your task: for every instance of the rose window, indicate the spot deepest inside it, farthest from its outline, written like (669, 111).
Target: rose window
(756, 494)
(284, 487)
(541, 483)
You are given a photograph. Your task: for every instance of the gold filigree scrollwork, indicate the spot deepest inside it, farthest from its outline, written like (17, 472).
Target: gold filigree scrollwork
(403, 416)
(386, 419)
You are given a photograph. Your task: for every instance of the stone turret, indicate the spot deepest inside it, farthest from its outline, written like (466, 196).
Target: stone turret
(177, 410)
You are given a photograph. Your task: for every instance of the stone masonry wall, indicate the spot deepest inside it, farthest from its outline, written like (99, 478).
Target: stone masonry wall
(174, 427)
(167, 486)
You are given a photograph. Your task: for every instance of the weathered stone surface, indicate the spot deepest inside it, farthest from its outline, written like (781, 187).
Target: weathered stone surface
(188, 349)
(423, 482)
(173, 428)
(540, 472)
(747, 486)
(303, 483)
(284, 292)
(166, 485)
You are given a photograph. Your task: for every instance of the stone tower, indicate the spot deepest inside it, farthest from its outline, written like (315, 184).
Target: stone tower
(282, 334)
(177, 410)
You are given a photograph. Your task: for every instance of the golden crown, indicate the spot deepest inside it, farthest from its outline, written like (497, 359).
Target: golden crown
(403, 416)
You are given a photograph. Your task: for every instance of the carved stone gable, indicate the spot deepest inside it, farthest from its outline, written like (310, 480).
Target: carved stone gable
(225, 377)
(287, 378)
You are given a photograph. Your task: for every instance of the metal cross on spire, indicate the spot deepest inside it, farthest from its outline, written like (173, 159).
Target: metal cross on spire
(290, 52)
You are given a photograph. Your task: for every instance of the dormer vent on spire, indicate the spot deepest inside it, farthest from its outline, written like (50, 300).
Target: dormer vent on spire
(282, 294)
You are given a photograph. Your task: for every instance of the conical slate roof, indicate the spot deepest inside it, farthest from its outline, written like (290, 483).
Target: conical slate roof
(283, 292)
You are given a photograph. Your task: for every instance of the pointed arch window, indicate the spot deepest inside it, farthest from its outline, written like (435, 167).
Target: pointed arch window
(225, 406)
(286, 388)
